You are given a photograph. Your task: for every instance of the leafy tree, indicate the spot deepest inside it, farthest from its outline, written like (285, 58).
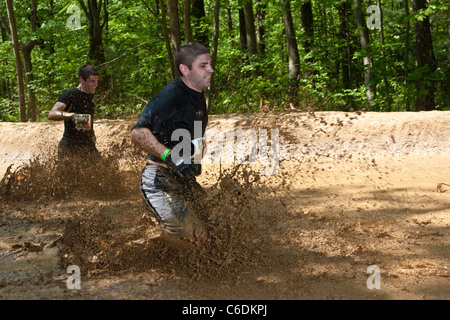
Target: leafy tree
(17, 59)
(132, 44)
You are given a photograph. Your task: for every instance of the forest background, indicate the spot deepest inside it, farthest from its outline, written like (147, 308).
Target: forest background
(391, 55)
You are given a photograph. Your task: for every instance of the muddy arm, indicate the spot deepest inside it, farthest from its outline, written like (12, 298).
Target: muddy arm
(58, 113)
(144, 139)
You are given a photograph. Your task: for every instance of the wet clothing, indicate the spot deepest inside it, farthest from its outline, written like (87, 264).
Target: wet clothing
(176, 106)
(168, 196)
(74, 141)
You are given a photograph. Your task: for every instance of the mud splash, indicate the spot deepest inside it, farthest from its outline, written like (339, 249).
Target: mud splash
(108, 239)
(108, 232)
(45, 178)
(351, 191)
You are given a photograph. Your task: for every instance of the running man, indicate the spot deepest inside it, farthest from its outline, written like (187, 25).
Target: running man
(168, 181)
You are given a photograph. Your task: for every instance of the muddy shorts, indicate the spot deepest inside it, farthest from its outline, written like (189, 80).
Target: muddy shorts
(168, 196)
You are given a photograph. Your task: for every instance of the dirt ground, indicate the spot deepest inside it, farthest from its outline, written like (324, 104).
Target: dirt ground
(351, 191)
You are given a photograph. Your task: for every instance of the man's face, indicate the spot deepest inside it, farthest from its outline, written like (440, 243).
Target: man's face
(89, 85)
(199, 76)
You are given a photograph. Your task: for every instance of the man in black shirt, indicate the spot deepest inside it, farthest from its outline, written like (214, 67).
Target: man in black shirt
(168, 181)
(76, 108)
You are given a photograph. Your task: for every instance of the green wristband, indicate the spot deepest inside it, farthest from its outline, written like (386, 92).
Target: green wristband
(164, 155)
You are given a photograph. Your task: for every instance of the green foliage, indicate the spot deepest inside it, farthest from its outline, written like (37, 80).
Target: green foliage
(137, 65)
(8, 110)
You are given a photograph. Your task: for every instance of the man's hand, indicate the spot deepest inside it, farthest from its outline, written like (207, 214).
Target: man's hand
(182, 169)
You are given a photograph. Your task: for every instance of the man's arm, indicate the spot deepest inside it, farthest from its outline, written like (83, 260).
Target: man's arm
(58, 113)
(144, 139)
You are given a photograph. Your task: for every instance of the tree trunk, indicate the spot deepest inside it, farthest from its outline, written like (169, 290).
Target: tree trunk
(5, 26)
(291, 41)
(242, 31)
(167, 39)
(163, 22)
(447, 72)
(260, 16)
(346, 49)
(5, 32)
(92, 10)
(17, 60)
(252, 47)
(406, 53)
(26, 52)
(306, 17)
(426, 61)
(364, 40)
(215, 44)
(448, 36)
(175, 33)
(230, 26)
(385, 72)
(187, 21)
(198, 13)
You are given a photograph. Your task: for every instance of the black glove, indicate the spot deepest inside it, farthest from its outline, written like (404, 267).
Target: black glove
(182, 169)
(79, 119)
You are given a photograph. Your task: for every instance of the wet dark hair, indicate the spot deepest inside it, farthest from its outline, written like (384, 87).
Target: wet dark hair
(86, 71)
(187, 53)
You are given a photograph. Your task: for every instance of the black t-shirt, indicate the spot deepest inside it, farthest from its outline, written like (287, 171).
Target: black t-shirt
(79, 102)
(176, 106)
